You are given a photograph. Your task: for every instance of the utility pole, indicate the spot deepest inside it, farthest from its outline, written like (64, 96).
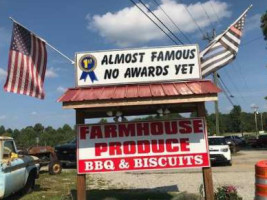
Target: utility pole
(262, 123)
(255, 117)
(209, 38)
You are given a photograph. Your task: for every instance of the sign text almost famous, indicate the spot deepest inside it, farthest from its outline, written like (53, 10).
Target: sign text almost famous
(180, 143)
(137, 66)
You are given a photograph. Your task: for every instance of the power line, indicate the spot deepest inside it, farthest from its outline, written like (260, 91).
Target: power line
(193, 19)
(237, 90)
(187, 38)
(217, 17)
(160, 21)
(250, 41)
(229, 99)
(227, 89)
(206, 13)
(154, 22)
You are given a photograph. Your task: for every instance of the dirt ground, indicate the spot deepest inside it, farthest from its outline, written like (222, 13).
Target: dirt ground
(241, 174)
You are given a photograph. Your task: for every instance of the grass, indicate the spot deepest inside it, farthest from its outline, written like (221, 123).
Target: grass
(63, 187)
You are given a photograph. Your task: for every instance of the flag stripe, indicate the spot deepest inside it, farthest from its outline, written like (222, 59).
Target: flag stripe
(235, 30)
(215, 60)
(228, 45)
(231, 40)
(213, 56)
(218, 65)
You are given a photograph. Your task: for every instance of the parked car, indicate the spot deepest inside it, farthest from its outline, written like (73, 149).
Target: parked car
(66, 153)
(17, 172)
(261, 141)
(233, 144)
(219, 150)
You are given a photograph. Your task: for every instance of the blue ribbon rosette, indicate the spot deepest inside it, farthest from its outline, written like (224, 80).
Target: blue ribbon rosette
(87, 65)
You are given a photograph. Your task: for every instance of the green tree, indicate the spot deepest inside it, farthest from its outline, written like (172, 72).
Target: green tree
(2, 130)
(264, 25)
(235, 119)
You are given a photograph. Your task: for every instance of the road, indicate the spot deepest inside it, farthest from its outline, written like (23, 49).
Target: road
(241, 174)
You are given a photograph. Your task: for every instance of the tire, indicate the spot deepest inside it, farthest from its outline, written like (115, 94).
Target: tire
(29, 186)
(54, 167)
(229, 163)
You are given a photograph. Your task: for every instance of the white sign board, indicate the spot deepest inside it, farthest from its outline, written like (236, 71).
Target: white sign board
(163, 64)
(177, 143)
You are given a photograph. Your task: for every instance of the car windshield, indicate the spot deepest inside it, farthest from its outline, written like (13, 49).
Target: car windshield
(217, 141)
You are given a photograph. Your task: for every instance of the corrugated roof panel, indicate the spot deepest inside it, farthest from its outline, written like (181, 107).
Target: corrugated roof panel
(139, 91)
(196, 88)
(107, 93)
(183, 89)
(144, 91)
(169, 89)
(157, 90)
(132, 91)
(120, 93)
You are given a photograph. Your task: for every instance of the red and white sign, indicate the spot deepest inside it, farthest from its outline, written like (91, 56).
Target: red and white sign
(179, 143)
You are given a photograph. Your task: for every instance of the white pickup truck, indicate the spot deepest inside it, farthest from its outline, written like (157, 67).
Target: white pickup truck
(17, 172)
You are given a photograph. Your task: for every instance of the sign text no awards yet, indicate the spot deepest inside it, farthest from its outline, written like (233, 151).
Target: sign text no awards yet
(180, 143)
(160, 64)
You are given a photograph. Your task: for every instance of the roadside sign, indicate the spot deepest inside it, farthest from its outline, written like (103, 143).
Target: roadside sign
(147, 145)
(162, 64)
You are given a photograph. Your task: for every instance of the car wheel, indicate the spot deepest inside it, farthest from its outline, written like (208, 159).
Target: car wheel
(229, 163)
(54, 167)
(29, 186)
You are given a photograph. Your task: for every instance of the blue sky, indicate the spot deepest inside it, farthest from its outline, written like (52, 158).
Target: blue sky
(75, 26)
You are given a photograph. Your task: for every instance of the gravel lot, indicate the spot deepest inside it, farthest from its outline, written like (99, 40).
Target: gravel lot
(241, 175)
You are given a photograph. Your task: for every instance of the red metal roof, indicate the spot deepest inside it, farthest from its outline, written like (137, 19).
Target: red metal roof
(150, 90)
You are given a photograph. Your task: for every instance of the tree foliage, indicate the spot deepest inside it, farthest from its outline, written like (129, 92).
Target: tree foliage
(235, 121)
(264, 25)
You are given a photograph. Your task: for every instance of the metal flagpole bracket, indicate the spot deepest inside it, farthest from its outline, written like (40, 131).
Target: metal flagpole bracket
(52, 47)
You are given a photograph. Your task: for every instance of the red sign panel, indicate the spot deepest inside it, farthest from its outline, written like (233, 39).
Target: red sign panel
(179, 143)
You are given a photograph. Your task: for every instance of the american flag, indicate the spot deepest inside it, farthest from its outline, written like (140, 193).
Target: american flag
(27, 63)
(223, 49)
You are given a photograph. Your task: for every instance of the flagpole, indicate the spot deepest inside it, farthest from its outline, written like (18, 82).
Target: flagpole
(52, 47)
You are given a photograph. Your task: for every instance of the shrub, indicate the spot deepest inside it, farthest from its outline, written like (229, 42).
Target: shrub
(227, 193)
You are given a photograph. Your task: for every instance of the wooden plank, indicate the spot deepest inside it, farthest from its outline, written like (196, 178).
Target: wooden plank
(81, 178)
(206, 171)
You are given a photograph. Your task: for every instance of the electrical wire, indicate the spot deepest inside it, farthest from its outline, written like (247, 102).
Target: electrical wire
(154, 22)
(217, 17)
(160, 21)
(226, 95)
(184, 35)
(227, 89)
(207, 15)
(193, 19)
(251, 41)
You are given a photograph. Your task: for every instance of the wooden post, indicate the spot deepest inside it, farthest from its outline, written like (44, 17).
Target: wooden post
(206, 171)
(81, 178)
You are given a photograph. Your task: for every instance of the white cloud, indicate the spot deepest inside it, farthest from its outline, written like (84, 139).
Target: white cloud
(253, 22)
(2, 117)
(129, 26)
(61, 89)
(33, 113)
(51, 73)
(3, 74)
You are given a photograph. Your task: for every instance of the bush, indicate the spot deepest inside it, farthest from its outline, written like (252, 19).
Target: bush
(227, 193)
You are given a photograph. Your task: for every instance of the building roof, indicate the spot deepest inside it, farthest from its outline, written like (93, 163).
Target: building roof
(139, 91)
